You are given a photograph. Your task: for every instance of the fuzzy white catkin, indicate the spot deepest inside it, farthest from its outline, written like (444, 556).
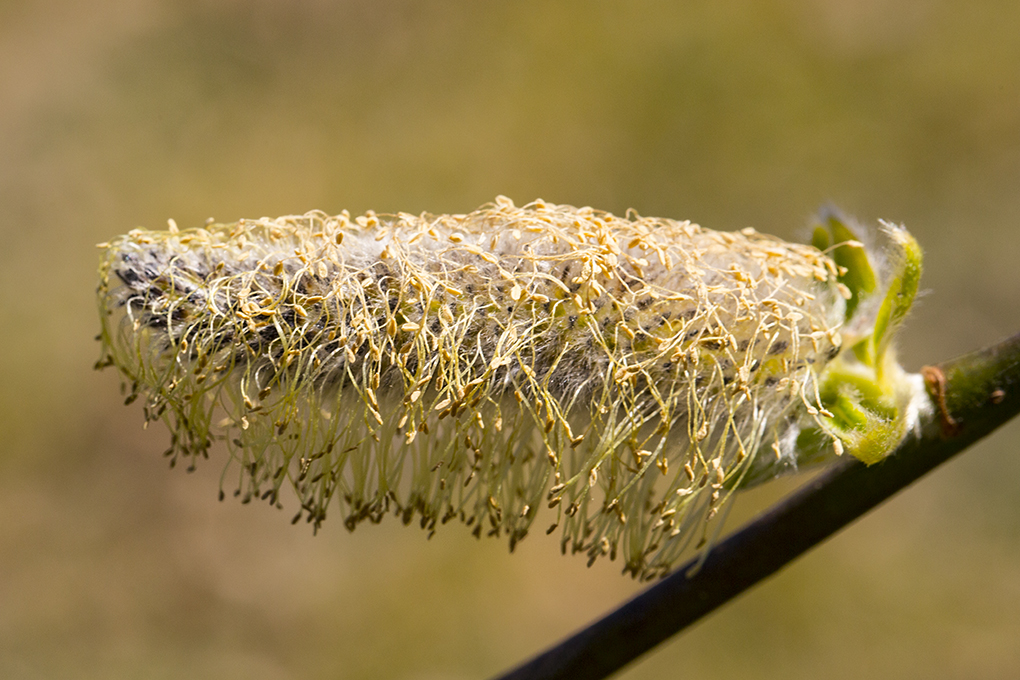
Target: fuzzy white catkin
(619, 375)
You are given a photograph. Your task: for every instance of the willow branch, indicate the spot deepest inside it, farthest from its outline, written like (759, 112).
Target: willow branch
(974, 394)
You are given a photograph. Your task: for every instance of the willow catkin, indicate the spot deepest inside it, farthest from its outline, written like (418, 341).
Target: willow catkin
(619, 375)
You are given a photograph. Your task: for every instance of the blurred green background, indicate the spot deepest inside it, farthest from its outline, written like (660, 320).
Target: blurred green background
(122, 113)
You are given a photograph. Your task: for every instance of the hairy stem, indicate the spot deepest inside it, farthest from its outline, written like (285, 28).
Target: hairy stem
(974, 394)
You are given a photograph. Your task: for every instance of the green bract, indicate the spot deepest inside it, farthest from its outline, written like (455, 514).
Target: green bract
(871, 399)
(622, 374)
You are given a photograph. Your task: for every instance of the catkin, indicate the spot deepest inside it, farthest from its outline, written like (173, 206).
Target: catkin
(619, 376)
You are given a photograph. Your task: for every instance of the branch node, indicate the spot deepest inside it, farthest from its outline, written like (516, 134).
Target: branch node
(935, 381)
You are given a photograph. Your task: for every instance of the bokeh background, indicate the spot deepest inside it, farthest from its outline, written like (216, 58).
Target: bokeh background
(122, 113)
